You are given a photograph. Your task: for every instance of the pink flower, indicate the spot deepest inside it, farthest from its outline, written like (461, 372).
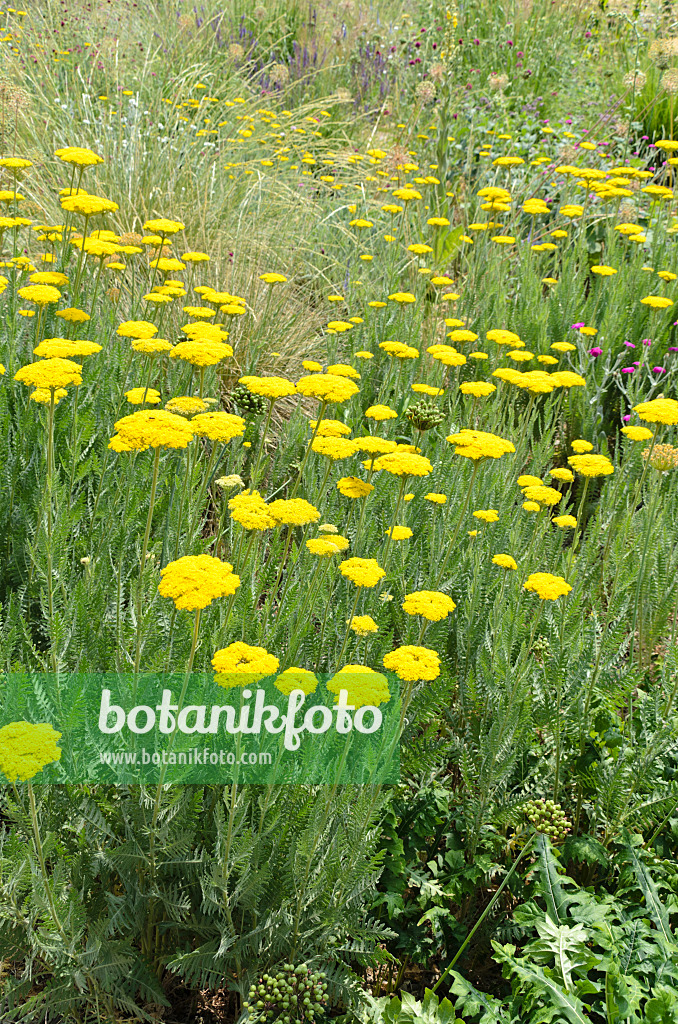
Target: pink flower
(629, 369)
(629, 344)
(575, 327)
(595, 352)
(658, 369)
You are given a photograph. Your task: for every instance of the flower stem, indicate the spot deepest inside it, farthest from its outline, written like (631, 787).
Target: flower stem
(144, 550)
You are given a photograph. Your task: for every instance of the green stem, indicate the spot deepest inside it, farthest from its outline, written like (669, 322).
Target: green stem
(144, 550)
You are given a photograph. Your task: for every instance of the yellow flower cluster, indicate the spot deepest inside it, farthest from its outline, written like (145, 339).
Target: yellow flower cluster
(194, 581)
(25, 749)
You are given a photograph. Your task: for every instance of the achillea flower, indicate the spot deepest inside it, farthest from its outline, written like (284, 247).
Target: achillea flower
(218, 426)
(430, 604)
(62, 348)
(399, 533)
(375, 445)
(476, 444)
(239, 664)
(137, 329)
(269, 387)
(502, 337)
(529, 481)
(591, 465)
(567, 379)
(659, 410)
(505, 561)
(79, 156)
(447, 355)
(565, 522)
(141, 396)
(251, 511)
(50, 373)
(40, 294)
(44, 395)
(353, 487)
(364, 572)
(25, 749)
(201, 353)
(343, 370)
(364, 686)
(327, 387)
(325, 547)
(363, 625)
(413, 664)
(562, 474)
(402, 297)
(380, 412)
(293, 512)
(186, 405)
(436, 499)
(150, 428)
(488, 515)
(272, 278)
(196, 580)
(664, 457)
(477, 388)
(657, 301)
(151, 346)
(73, 315)
(399, 349)
(544, 495)
(334, 447)
(637, 433)
(547, 586)
(427, 389)
(88, 206)
(563, 346)
(404, 464)
(163, 226)
(580, 447)
(330, 428)
(603, 271)
(296, 679)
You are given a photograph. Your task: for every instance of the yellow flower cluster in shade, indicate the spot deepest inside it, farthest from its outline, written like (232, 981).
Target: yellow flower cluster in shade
(194, 581)
(477, 444)
(591, 465)
(296, 679)
(413, 664)
(25, 749)
(364, 572)
(151, 428)
(239, 664)
(430, 604)
(364, 686)
(547, 586)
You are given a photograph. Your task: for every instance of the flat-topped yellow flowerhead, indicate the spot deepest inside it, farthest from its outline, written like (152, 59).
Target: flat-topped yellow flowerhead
(240, 664)
(659, 410)
(269, 387)
(327, 387)
(547, 586)
(163, 226)
(364, 572)
(296, 679)
(477, 444)
(218, 426)
(364, 686)
(430, 604)
(25, 749)
(194, 581)
(50, 373)
(151, 428)
(251, 511)
(412, 663)
(591, 465)
(78, 155)
(401, 463)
